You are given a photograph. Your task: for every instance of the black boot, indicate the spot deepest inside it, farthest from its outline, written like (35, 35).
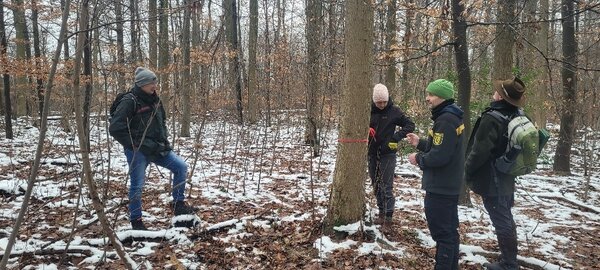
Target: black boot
(508, 257)
(181, 208)
(138, 224)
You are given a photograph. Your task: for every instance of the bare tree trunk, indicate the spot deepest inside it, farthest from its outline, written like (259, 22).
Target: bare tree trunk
(186, 87)
(540, 89)
(40, 146)
(163, 53)
(87, 72)
(461, 52)
(407, 40)
(347, 201)
(152, 36)
(313, 65)
(120, 46)
(268, 72)
(391, 45)
(253, 96)
(503, 50)
(135, 44)
(235, 83)
(562, 158)
(5, 77)
(38, 54)
(23, 54)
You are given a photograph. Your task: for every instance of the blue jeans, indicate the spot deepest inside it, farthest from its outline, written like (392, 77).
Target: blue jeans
(381, 171)
(441, 212)
(498, 208)
(137, 175)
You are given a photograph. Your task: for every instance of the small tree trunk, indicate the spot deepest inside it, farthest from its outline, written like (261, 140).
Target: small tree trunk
(5, 77)
(152, 35)
(391, 44)
(461, 52)
(313, 38)
(562, 158)
(253, 96)
(186, 87)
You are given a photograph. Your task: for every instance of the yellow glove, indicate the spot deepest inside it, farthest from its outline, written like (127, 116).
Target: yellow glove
(393, 145)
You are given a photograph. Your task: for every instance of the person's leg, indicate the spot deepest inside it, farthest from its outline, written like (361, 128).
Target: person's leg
(499, 209)
(388, 166)
(375, 175)
(137, 174)
(440, 211)
(178, 167)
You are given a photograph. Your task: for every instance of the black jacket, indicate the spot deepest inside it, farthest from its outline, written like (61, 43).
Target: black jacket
(488, 142)
(139, 122)
(442, 157)
(385, 122)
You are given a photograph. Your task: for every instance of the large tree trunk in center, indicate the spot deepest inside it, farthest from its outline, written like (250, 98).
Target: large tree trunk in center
(347, 203)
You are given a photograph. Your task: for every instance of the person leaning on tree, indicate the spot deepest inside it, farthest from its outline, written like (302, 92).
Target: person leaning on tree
(488, 142)
(139, 124)
(440, 157)
(383, 145)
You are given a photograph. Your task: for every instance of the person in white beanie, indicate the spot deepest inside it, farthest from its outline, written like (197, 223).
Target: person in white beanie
(139, 124)
(383, 145)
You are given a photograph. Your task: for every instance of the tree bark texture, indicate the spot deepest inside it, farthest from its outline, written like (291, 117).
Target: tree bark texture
(562, 158)
(347, 202)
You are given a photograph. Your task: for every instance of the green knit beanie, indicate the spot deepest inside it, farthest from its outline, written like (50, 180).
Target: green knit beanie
(441, 88)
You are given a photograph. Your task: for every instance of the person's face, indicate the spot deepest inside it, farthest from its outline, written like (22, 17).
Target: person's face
(433, 100)
(496, 96)
(381, 104)
(150, 88)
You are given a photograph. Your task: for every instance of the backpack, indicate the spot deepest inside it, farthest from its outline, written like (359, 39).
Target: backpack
(118, 98)
(525, 142)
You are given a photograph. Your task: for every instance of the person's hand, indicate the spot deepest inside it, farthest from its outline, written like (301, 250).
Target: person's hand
(372, 132)
(393, 145)
(412, 139)
(412, 158)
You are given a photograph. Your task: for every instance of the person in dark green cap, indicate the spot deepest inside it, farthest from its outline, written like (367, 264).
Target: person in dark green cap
(441, 158)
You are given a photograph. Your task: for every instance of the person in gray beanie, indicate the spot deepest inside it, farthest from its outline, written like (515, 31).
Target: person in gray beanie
(144, 76)
(139, 124)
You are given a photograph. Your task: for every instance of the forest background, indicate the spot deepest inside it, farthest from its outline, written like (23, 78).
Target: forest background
(246, 62)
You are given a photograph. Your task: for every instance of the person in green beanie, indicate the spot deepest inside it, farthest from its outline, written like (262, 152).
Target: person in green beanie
(441, 158)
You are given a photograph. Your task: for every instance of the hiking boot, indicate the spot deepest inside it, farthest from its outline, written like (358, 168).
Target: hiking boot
(138, 224)
(181, 208)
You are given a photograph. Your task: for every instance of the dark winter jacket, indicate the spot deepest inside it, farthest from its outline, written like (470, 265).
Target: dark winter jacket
(488, 142)
(139, 123)
(441, 155)
(385, 122)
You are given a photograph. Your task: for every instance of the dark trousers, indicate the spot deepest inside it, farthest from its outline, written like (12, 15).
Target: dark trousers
(381, 172)
(499, 209)
(441, 212)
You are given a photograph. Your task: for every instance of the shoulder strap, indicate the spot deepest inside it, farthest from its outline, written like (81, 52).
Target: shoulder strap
(499, 116)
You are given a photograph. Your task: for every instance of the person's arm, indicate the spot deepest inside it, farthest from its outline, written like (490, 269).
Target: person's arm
(407, 126)
(119, 126)
(443, 146)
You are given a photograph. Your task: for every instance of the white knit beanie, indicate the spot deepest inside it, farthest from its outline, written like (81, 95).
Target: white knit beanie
(380, 93)
(144, 76)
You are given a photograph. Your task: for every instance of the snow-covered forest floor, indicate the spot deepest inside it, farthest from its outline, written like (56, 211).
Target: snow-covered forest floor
(262, 199)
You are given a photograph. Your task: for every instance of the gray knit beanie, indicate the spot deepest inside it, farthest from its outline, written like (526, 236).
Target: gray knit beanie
(144, 76)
